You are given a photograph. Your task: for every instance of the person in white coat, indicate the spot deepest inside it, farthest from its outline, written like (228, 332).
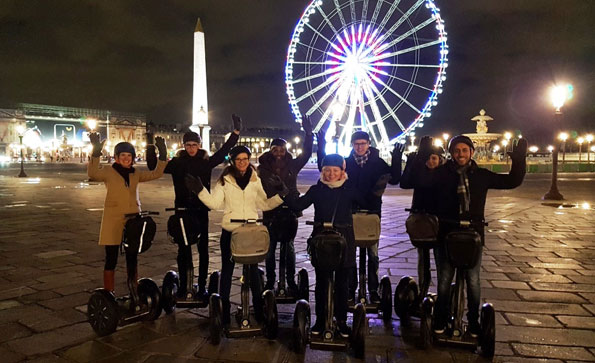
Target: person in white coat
(240, 194)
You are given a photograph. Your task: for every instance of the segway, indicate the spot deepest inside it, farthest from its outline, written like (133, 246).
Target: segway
(249, 246)
(105, 311)
(463, 246)
(283, 295)
(183, 228)
(422, 228)
(328, 245)
(366, 228)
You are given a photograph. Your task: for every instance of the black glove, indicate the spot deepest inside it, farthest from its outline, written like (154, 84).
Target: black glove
(193, 183)
(237, 122)
(519, 153)
(95, 140)
(425, 148)
(278, 186)
(320, 138)
(150, 138)
(378, 188)
(397, 153)
(307, 125)
(160, 143)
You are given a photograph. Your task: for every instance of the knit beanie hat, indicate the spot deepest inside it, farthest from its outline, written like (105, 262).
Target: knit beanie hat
(278, 142)
(360, 135)
(191, 136)
(460, 139)
(334, 160)
(124, 147)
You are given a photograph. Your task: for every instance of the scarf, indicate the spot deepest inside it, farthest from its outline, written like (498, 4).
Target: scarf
(463, 188)
(243, 180)
(361, 160)
(336, 184)
(124, 172)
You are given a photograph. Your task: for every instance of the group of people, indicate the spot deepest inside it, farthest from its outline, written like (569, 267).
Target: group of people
(452, 189)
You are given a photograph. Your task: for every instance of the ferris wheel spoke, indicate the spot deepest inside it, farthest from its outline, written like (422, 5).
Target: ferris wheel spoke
(348, 128)
(325, 38)
(365, 9)
(403, 51)
(387, 64)
(352, 10)
(378, 80)
(376, 11)
(370, 69)
(324, 97)
(313, 91)
(340, 13)
(402, 19)
(389, 13)
(311, 47)
(317, 75)
(376, 112)
(406, 34)
(326, 19)
(386, 105)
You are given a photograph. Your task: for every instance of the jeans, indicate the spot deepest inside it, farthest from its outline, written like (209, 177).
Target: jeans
(423, 271)
(373, 263)
(446, 272)
(227, 266)
(284, 234)
(185, 260)
(340, 296)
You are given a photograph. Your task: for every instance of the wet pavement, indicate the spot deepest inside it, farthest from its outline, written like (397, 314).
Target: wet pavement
(538, 270)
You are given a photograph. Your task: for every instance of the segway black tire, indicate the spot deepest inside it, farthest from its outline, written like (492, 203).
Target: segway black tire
(487, 338)
(213, 287)
(301, 326)
(149, 294)
(358, 338)
(102, 312)
(303, 285)
(406, 294)
(271, 316)
(169, 289)
(215, 316)
(426, 337)
(386, 299)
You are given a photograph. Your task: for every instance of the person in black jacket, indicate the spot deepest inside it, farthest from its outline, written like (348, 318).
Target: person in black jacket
(366, 168)
(424, 201)
(195, 161)
(282, 222)
(462, 188)
(333, 198)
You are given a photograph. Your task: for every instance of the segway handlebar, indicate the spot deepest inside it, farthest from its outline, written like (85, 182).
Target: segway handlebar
(247, 221)
(366, 211)
(177, 209)
(463, 222)
(142, 214)
(327, 224)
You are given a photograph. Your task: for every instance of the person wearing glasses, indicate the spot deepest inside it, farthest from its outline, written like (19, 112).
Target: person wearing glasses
(240, 194)
(366, 168)
(195, 160)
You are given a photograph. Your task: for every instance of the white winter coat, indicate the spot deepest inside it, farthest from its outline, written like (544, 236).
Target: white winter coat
(237, 203)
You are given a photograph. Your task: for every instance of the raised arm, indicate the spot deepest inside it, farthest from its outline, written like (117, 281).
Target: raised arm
(150, 154)
(214, 200)
(94, 170)
(320, 152)
(407, 177)
(300, 203)
(303, 158)
(219, 156)
(161, 164)
(517, 171)
(396, 163)
(264, 203)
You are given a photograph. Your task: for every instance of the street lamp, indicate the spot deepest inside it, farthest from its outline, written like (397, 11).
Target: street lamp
(559, 95)
(505, 144)
(563, 136)
(589, 139)
(580, 141)
(21, 131)
(533, 149)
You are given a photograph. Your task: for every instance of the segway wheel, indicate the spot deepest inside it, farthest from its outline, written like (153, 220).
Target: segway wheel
(169, 289)
(149, 294)
(213, 283)
(487, 339)
(301, 326)
(358, 339)
(271, 317)
(405, 296)
(215, 323)
(102, 312)
(386, 299)
(303, 285)
(427, 307)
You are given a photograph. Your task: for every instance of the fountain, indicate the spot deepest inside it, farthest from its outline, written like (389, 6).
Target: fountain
(482, 139)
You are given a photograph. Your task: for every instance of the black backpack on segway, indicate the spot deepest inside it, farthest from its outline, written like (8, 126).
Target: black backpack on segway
(104, 311)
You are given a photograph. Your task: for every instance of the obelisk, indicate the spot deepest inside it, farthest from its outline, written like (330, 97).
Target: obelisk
(200, 106)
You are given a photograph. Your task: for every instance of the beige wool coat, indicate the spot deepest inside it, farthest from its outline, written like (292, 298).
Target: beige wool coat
(120, 199)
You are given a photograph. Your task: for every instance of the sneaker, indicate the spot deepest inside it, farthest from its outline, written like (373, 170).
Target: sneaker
(473, 329)
(343, 329)
(202, 294)
(439, 326)
(374, 297)
(270, 285)
(318, 327)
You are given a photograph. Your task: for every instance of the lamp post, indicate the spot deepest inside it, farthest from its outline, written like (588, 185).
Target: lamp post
(559, 95)
(589, 139)
(505, 144)
(580, 141)
(563, 137)
(21, 131)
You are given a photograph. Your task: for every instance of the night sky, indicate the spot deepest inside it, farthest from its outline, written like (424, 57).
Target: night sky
(137, 56)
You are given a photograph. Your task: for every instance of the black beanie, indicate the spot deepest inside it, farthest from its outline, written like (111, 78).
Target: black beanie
(278, 142)
(460, 139)
(437, 150)
(334, 160)
(191, 136)
(360, 135)
(237, 150)
(124, 147)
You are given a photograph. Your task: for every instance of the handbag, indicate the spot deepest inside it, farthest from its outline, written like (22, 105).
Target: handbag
(250, 244)
(463, 246)
(422, 229)
(138, 235)
(366, 228)
(183, 229)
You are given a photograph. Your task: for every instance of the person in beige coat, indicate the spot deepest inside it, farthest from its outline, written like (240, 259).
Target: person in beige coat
(121, 181)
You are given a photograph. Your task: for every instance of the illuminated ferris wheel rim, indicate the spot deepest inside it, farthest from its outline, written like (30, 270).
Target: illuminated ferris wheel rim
(355, 59)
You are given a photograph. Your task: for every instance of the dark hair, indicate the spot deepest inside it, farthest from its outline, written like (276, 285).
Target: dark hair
(233, 171)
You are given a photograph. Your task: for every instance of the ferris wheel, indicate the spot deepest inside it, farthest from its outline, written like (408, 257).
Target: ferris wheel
(372, 65)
